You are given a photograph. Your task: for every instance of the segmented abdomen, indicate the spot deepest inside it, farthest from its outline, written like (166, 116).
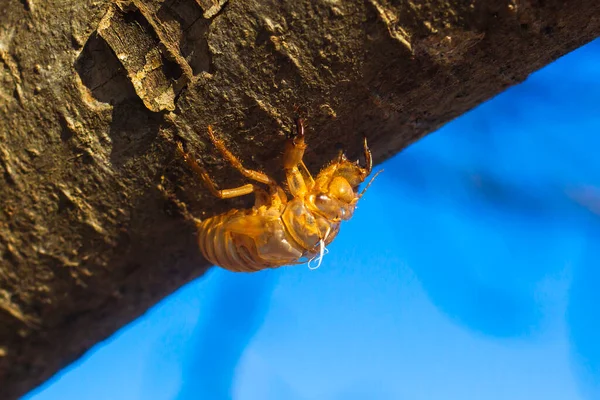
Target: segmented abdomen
(217, 245)
(238, 252)
(284, 237)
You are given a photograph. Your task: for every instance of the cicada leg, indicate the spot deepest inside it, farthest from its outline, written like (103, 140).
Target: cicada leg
(298, 176)
(276, 198)
(277, 195)
(251, 225)
(233, 160)
(368, 157)
(209, 183)
(368, 168)
(308, 179)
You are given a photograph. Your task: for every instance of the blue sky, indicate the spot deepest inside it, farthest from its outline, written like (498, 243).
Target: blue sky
(468, 272)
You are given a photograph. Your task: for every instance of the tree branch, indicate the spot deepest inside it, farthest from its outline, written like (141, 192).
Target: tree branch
(94, 96)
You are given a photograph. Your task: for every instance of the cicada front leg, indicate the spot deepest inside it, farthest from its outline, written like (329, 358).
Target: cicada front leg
(298, 176)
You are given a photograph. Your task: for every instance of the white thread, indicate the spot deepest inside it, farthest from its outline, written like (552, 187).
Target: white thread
(322, 251)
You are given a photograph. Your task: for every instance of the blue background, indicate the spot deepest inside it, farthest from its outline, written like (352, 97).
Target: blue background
(468, 272)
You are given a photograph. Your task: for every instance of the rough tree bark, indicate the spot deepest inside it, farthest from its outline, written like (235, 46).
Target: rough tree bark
(94, 95)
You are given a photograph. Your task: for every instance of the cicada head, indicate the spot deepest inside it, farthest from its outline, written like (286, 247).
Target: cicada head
(336, 186)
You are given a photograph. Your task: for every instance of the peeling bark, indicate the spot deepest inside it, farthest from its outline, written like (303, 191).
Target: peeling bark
(94, 95)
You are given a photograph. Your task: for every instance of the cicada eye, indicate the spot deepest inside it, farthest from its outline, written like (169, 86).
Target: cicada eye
(341, 189)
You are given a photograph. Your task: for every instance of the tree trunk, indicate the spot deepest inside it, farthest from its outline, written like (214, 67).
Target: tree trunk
(94, 95)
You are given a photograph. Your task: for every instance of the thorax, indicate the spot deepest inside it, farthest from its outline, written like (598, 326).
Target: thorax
(306, 226)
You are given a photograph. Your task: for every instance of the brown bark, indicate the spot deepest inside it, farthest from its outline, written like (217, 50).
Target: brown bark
(94, 95)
